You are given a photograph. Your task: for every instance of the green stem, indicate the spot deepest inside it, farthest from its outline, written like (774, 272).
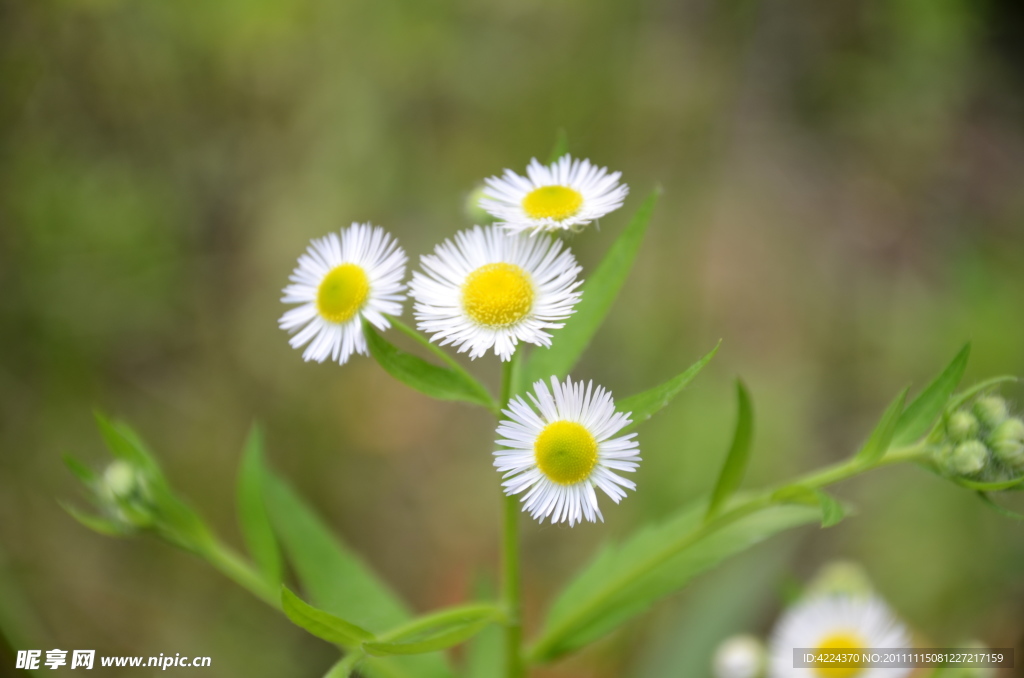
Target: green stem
(231, 565)
(511, 589)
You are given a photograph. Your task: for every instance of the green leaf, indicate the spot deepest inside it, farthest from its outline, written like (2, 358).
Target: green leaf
(832, 511)
(882, 437)
(921, 413)
(599, 291)
(622, 582)
(435, 632)
(1005, 512)
(321, 624)
(561, 146)
(124, 443)
(338, 581)
(643, 406)
(252, 511)
(735, 465)
(438, 382)
(80, 470)
(104, 526)
(485, 651)
(995, 486)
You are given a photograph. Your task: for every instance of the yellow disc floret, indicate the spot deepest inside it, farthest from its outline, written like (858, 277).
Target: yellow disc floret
(497, 295)
(839, 643)
(342, 293)
(552, 202)
(566, 452)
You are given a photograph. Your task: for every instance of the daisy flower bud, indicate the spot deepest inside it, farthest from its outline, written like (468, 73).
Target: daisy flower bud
(1007, 442)
(739, 657)
(962, 426)
(124, 489)
(967, 458)
(990, 411)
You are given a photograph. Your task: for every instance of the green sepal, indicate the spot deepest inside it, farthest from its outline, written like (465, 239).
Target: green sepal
(642, 406)
(108, 528)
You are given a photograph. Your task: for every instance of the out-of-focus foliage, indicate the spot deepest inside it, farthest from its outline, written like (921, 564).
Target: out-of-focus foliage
(842, 205)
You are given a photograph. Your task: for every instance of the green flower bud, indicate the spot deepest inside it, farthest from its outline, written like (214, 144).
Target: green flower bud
(991, 411)
(962, 426)
(841, 577)
(1010, 430)
(472, 208)
(1010, 452)
(125, 490)
(968, 458)
(739, 657)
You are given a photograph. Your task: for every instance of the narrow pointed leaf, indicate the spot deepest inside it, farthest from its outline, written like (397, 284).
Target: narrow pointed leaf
(437, 382)
(123, 443)
(881, 438)
(832, 510)
(80, 470)
(624, 581)
(426, 636)
(1005, 512)
(320, 623)
(643, 406)
(95, 523)
(252, 511)
(339, 581)
(921, 413)
(731, 475)
(561, 146)
(599, 292)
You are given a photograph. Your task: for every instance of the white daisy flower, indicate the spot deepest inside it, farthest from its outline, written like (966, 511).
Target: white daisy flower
(489, 288)
(838, 623)
(557, 457)
(566, 195)
(338, 282)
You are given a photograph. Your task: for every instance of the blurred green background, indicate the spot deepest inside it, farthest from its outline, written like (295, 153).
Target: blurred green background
(844, 206)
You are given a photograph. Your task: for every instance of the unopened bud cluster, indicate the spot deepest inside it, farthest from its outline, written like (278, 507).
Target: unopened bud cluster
(983, 442)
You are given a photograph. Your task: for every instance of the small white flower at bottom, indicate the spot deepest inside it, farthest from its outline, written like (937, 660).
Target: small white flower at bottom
(561, 452)
(836, 623)
(341, 279)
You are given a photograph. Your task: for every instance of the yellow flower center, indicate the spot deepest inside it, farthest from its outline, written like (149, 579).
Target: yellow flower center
(565, 452)
(342, 293)
(497, 295)
(840, 642)
(552, 202)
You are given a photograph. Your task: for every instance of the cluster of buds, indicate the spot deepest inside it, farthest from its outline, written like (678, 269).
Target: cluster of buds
(983, 442)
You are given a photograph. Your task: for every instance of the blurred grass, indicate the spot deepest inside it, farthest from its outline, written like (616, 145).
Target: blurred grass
(842, 205)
